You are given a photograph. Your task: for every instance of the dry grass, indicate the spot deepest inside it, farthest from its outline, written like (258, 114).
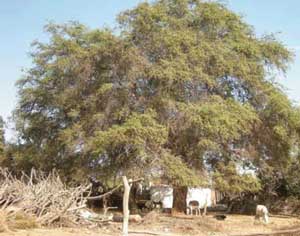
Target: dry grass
(15, 221)
(23, 221)
(181, 224)
(176, 225)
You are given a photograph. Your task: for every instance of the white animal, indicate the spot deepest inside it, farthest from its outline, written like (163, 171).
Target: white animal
(262, 211)
(193, 206)
(202, 196)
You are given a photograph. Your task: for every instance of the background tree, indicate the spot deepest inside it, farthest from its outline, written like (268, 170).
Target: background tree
(2, 138)
(234, 182)
(184, 85)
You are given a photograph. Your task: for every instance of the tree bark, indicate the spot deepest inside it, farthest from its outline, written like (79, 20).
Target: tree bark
(205, 209)
(105, 207)
(127, 187)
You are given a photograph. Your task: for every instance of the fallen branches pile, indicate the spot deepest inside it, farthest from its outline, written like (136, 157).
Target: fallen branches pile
(44, 197)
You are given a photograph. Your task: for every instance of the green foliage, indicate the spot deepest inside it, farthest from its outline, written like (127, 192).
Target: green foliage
(280, 129)
(182, 87)
(213, 125)
(178, 173)
(130, 148)
(228, 180)
(2, 139)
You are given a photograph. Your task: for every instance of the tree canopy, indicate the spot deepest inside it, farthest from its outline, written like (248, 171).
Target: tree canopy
(2, 139)
(181, 89)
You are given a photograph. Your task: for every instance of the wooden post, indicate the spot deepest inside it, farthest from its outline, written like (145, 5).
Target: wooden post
(127, 187)
(205, 208)
(105, 208)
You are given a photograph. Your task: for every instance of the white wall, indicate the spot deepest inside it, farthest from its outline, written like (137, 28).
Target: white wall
(201, 195)
(163, 194)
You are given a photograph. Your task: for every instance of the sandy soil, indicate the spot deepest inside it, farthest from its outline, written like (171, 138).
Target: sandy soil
(233, 225)
(174, 226)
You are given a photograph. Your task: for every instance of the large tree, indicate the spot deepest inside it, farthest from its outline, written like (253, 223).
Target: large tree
(179, 88)
(2, 139)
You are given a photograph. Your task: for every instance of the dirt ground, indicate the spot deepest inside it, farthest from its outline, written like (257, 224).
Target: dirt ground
(175, 225)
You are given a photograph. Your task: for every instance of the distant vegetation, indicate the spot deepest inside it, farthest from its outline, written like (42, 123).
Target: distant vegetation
(182, 91)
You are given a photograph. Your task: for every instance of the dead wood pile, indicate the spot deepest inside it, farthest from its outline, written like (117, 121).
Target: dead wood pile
(45, 197)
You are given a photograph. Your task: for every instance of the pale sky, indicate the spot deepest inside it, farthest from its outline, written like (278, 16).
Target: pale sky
(22, 21)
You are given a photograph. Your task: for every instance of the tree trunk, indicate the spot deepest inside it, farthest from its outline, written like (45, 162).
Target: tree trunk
(125, 205)
(105, 208)
(205, 209)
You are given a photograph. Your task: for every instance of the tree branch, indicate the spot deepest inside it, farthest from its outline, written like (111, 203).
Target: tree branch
(113, 190)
